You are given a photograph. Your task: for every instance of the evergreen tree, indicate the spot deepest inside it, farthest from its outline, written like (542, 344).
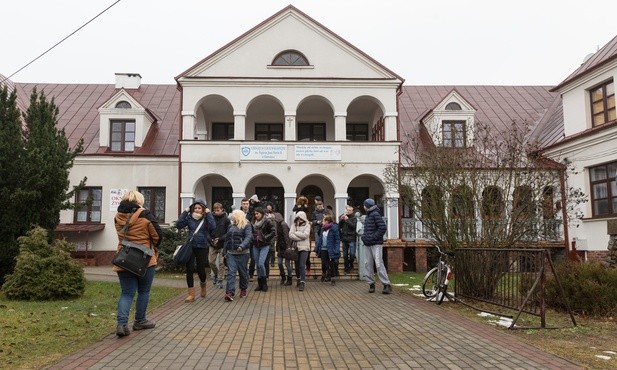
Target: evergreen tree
(35, 162)
(12, 157)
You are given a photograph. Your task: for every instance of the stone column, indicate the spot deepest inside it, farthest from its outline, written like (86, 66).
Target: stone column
(290, 127)
(391, 214)
(290, 202)
(188, 125)
(239, 125)
(340, 126)
(390, 126)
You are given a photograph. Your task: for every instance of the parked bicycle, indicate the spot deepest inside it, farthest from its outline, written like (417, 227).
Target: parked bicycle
(435, 282)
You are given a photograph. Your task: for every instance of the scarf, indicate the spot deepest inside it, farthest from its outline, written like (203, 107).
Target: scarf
(197, 216)
(326, 227)
(260, 222)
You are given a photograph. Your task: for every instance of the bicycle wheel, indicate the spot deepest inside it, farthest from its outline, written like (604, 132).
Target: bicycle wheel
(429, 283)
(442, 288)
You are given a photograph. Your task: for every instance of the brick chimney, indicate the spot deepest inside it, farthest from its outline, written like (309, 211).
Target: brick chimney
(128, 80)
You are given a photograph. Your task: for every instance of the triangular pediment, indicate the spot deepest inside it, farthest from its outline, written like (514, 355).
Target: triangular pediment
(251, 55)
(454, 97)
(119, 96)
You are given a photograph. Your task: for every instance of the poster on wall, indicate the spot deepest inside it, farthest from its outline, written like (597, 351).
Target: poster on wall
(115, 196)
(263, 152)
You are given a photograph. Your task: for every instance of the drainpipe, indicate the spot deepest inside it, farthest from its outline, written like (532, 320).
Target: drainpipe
(180, 150)
(564, 213)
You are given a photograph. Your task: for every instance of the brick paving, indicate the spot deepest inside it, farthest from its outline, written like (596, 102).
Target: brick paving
(324, 327)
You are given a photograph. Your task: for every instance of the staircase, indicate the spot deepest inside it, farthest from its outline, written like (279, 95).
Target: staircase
(315, 263)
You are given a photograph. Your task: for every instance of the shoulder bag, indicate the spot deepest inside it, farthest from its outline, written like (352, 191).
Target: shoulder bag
(291, 252)
(133, 257)
(184, 252)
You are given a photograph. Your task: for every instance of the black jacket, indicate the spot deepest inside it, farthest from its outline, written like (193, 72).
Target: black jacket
(374, 227)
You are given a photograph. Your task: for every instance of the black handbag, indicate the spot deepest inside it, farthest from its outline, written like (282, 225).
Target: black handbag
(291, 252)
(133, 257)
(184, 252)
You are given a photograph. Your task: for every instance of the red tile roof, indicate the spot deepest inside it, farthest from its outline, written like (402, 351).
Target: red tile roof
(603, 56)
(497, 106)
(79, 117)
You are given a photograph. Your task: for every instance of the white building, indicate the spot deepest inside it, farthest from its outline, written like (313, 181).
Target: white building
(290, 108)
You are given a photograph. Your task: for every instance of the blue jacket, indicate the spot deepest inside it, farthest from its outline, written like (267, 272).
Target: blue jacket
(237, 237)
(374, 227)
(333, 242)
(201, 240)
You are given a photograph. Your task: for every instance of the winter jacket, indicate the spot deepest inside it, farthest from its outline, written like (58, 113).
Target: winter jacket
(317, 218)
(264, 234)
(374, 227)
(332, 242)
(301, 233)
(348, 229)
(201, 240)
(282, 237)
(219, 231)
(144, 230)
(238, 241)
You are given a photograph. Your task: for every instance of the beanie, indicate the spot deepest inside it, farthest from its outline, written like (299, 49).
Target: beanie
(369, 202)
(254, 198)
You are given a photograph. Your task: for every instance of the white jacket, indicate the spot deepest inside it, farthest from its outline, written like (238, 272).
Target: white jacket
(301, 233)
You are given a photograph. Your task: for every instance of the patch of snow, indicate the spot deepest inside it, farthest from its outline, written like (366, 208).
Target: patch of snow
(63, 308)
(400, 284)
(603, 357)
(610, 352)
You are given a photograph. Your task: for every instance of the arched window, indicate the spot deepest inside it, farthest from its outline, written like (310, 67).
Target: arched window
(522, 202)
(492, 203)
(453, 106)
(462, 203)
(123, 105)
(432, 204)
(290, 58)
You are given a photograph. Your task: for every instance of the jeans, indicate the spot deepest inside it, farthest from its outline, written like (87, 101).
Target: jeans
(200, 255)
(129, 284)
(260, 255)
(287, 265)
(374, 253)
(251, 262)
(349, 254)
(237, 263)
(301, 265)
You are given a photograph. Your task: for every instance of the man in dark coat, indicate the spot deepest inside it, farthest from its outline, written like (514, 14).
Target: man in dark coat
(374, 230)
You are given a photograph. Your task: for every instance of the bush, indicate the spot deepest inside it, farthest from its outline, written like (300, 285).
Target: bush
(589, 288)
(44, 271)
(172, 237)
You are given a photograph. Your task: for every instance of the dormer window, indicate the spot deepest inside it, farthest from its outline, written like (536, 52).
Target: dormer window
(603, 103)
(123, 105)
(454, 134)
(122, 136)
(290, 58)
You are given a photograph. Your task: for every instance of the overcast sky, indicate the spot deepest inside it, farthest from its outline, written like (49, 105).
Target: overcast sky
(429, 42)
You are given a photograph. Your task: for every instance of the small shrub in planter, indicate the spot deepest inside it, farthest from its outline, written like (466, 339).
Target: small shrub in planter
(589, 288)
(44, 271)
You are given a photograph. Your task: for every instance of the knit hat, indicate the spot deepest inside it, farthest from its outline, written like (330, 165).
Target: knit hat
(199, 201)
(369, 202)
(254, 198)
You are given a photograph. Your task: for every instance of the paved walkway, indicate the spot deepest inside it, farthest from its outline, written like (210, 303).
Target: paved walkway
(324, 327)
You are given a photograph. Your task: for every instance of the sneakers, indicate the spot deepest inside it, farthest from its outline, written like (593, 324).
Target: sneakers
(122, 331)
(219, 284)
(143, 324)
(301, 286)
(371, 288)
(242, 293)
(387, 289)
(229, 296)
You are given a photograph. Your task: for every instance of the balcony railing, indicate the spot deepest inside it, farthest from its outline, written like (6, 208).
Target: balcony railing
(546, 230)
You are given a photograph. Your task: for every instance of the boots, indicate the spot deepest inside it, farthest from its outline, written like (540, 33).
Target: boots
(191, 296)
(282, 279)
(288, 281)
(203, 289)
(264, 286)
(387, 289)
(259, 285)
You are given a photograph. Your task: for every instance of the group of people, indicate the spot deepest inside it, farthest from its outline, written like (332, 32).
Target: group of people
(245, 241)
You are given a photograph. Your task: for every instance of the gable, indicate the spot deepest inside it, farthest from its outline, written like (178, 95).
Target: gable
(252, 54)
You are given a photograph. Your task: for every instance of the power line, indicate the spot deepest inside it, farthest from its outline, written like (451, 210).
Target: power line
(59, 42)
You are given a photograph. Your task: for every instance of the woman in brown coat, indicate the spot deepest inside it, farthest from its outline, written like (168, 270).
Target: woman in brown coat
(143, 229)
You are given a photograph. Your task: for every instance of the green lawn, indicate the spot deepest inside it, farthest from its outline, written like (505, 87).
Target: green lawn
(35, 334)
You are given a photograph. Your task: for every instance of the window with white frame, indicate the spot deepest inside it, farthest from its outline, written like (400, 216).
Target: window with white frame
(453, 133)
(122, 135)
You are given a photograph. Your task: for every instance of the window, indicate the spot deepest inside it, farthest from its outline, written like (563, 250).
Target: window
(268, 131)
(432, 204)
(273, 194)
(604, 189)
(123, 105)
(356, 196)
(453, 134)
(522, 202)
(222, 131)
(122, 136)
(462, 203)
(88, 205)
(154, 200)
(312, 131)
(453, 106)
(492, 203)
(357, 131)
(290, 58)
(603, 104)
